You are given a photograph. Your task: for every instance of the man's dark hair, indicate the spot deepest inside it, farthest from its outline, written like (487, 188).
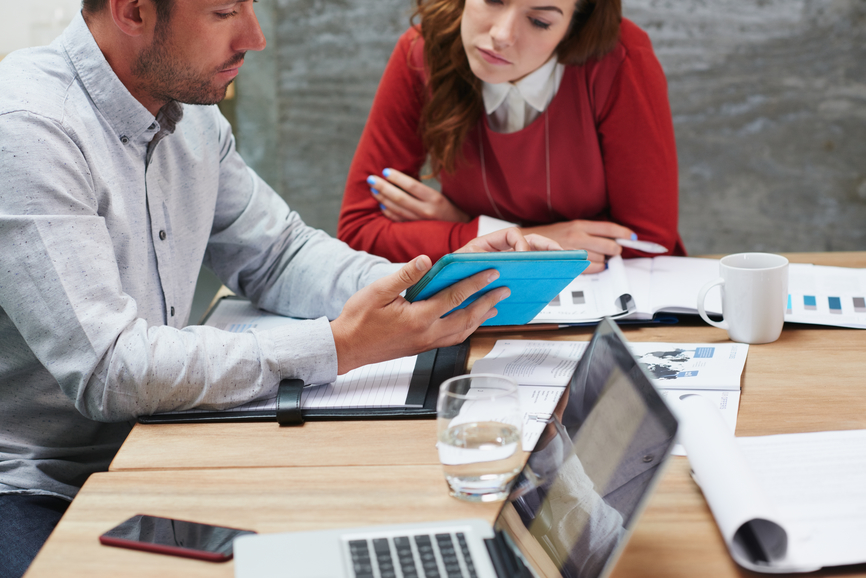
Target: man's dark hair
(91, 7)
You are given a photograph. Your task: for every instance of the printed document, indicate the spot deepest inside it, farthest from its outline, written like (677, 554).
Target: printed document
(783, 503)
(543, 369)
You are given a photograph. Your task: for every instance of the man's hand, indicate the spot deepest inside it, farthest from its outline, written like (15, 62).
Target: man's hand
(595, 237)
(378, 324)
(403, 198)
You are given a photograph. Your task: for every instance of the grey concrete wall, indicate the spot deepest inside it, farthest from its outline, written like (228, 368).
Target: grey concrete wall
(302, 103)
(769, 105)
(768, 97)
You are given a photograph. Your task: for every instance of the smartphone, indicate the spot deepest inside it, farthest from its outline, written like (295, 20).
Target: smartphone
(534, 277)
(175, 537)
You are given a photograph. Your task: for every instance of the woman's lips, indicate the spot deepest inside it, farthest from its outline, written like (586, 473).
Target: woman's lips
(492, 57)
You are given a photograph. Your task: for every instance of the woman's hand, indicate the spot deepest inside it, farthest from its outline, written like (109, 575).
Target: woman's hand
(595, 237)
(403, 198)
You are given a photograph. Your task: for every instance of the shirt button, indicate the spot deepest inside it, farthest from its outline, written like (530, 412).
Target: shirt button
(646, 459)
(152, 126)
(162, 235)
(172, 311)
(124, 139)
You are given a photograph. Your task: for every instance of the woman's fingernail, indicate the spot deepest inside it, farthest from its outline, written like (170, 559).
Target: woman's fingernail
(493, 276)
(505, 294)
(371, 180)
(387, 173)
(383, 207)
(634, 236)
(374, 191)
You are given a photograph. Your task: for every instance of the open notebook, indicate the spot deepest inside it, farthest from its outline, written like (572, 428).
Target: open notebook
(569, 513)
(635, 289)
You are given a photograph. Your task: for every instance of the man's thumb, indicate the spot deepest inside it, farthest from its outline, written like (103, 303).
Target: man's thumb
(409, 274)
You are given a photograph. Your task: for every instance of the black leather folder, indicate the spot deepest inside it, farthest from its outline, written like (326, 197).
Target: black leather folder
(431, 369)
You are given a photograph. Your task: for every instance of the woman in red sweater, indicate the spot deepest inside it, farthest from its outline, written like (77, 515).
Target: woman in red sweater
(549, 115)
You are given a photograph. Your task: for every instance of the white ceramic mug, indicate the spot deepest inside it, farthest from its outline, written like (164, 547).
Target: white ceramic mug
(754, 296)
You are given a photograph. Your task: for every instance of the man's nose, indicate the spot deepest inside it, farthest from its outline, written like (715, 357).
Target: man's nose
(250, 37)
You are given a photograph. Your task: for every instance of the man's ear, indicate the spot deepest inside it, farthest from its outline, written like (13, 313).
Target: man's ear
(133, 17)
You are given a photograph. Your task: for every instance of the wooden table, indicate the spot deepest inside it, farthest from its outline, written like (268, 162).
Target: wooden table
(787, 387)
(269, 479)
(261, 499)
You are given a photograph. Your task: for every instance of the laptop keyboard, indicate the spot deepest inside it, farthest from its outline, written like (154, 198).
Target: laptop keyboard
(421, 556)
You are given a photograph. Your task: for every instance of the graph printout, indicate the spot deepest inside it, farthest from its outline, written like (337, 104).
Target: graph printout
(826, 295)
(543, 370)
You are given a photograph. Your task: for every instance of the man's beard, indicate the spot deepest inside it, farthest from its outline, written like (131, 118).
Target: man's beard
(167, 78)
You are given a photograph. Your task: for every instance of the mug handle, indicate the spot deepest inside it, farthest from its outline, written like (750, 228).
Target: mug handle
(702, 296)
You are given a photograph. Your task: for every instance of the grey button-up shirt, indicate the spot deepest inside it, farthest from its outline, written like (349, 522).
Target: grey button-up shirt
(106, 214)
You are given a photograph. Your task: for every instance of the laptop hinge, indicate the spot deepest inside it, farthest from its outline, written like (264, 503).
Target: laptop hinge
(505, 563)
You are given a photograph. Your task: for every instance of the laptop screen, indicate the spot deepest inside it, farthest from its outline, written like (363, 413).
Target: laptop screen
(573, 505)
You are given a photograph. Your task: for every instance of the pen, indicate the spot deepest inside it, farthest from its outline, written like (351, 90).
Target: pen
(645, 246)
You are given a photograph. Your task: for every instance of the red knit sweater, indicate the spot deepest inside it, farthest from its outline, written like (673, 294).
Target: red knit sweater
(611, 145)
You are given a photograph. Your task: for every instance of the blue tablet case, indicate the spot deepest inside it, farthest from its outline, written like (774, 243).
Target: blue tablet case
(534, 277)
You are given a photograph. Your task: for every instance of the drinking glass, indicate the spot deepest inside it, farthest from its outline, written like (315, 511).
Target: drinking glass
(480, 424)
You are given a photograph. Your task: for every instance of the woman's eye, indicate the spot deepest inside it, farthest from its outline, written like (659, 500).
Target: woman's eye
(539, 23)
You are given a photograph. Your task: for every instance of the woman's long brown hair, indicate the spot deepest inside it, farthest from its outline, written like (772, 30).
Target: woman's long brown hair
(454, 103)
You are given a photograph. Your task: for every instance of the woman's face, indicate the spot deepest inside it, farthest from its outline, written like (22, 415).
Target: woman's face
(507, 39)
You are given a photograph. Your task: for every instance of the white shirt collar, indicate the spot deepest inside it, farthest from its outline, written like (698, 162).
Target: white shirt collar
(537, 88)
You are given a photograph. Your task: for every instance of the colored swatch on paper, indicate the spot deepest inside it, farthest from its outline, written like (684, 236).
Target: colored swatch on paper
(578, 298)
(690, 373)
(704, 352)
(835, 305)
(810, 303)
(555, 302)
(788, 309)
(860, 304)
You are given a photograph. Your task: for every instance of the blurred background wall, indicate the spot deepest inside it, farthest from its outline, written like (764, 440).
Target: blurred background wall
(768, 100)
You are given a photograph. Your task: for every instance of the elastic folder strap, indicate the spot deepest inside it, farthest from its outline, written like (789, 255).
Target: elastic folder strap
(289, 402)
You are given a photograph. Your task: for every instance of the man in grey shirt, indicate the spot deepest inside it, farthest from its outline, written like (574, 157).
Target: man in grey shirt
(112, 196)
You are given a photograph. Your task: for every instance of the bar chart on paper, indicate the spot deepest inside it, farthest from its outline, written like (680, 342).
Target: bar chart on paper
(826, 296)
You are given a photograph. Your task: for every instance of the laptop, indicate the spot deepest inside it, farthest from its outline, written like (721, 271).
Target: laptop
(569, 512)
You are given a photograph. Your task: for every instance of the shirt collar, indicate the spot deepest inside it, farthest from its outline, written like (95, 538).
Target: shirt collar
(127, 116)
(536, 88)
